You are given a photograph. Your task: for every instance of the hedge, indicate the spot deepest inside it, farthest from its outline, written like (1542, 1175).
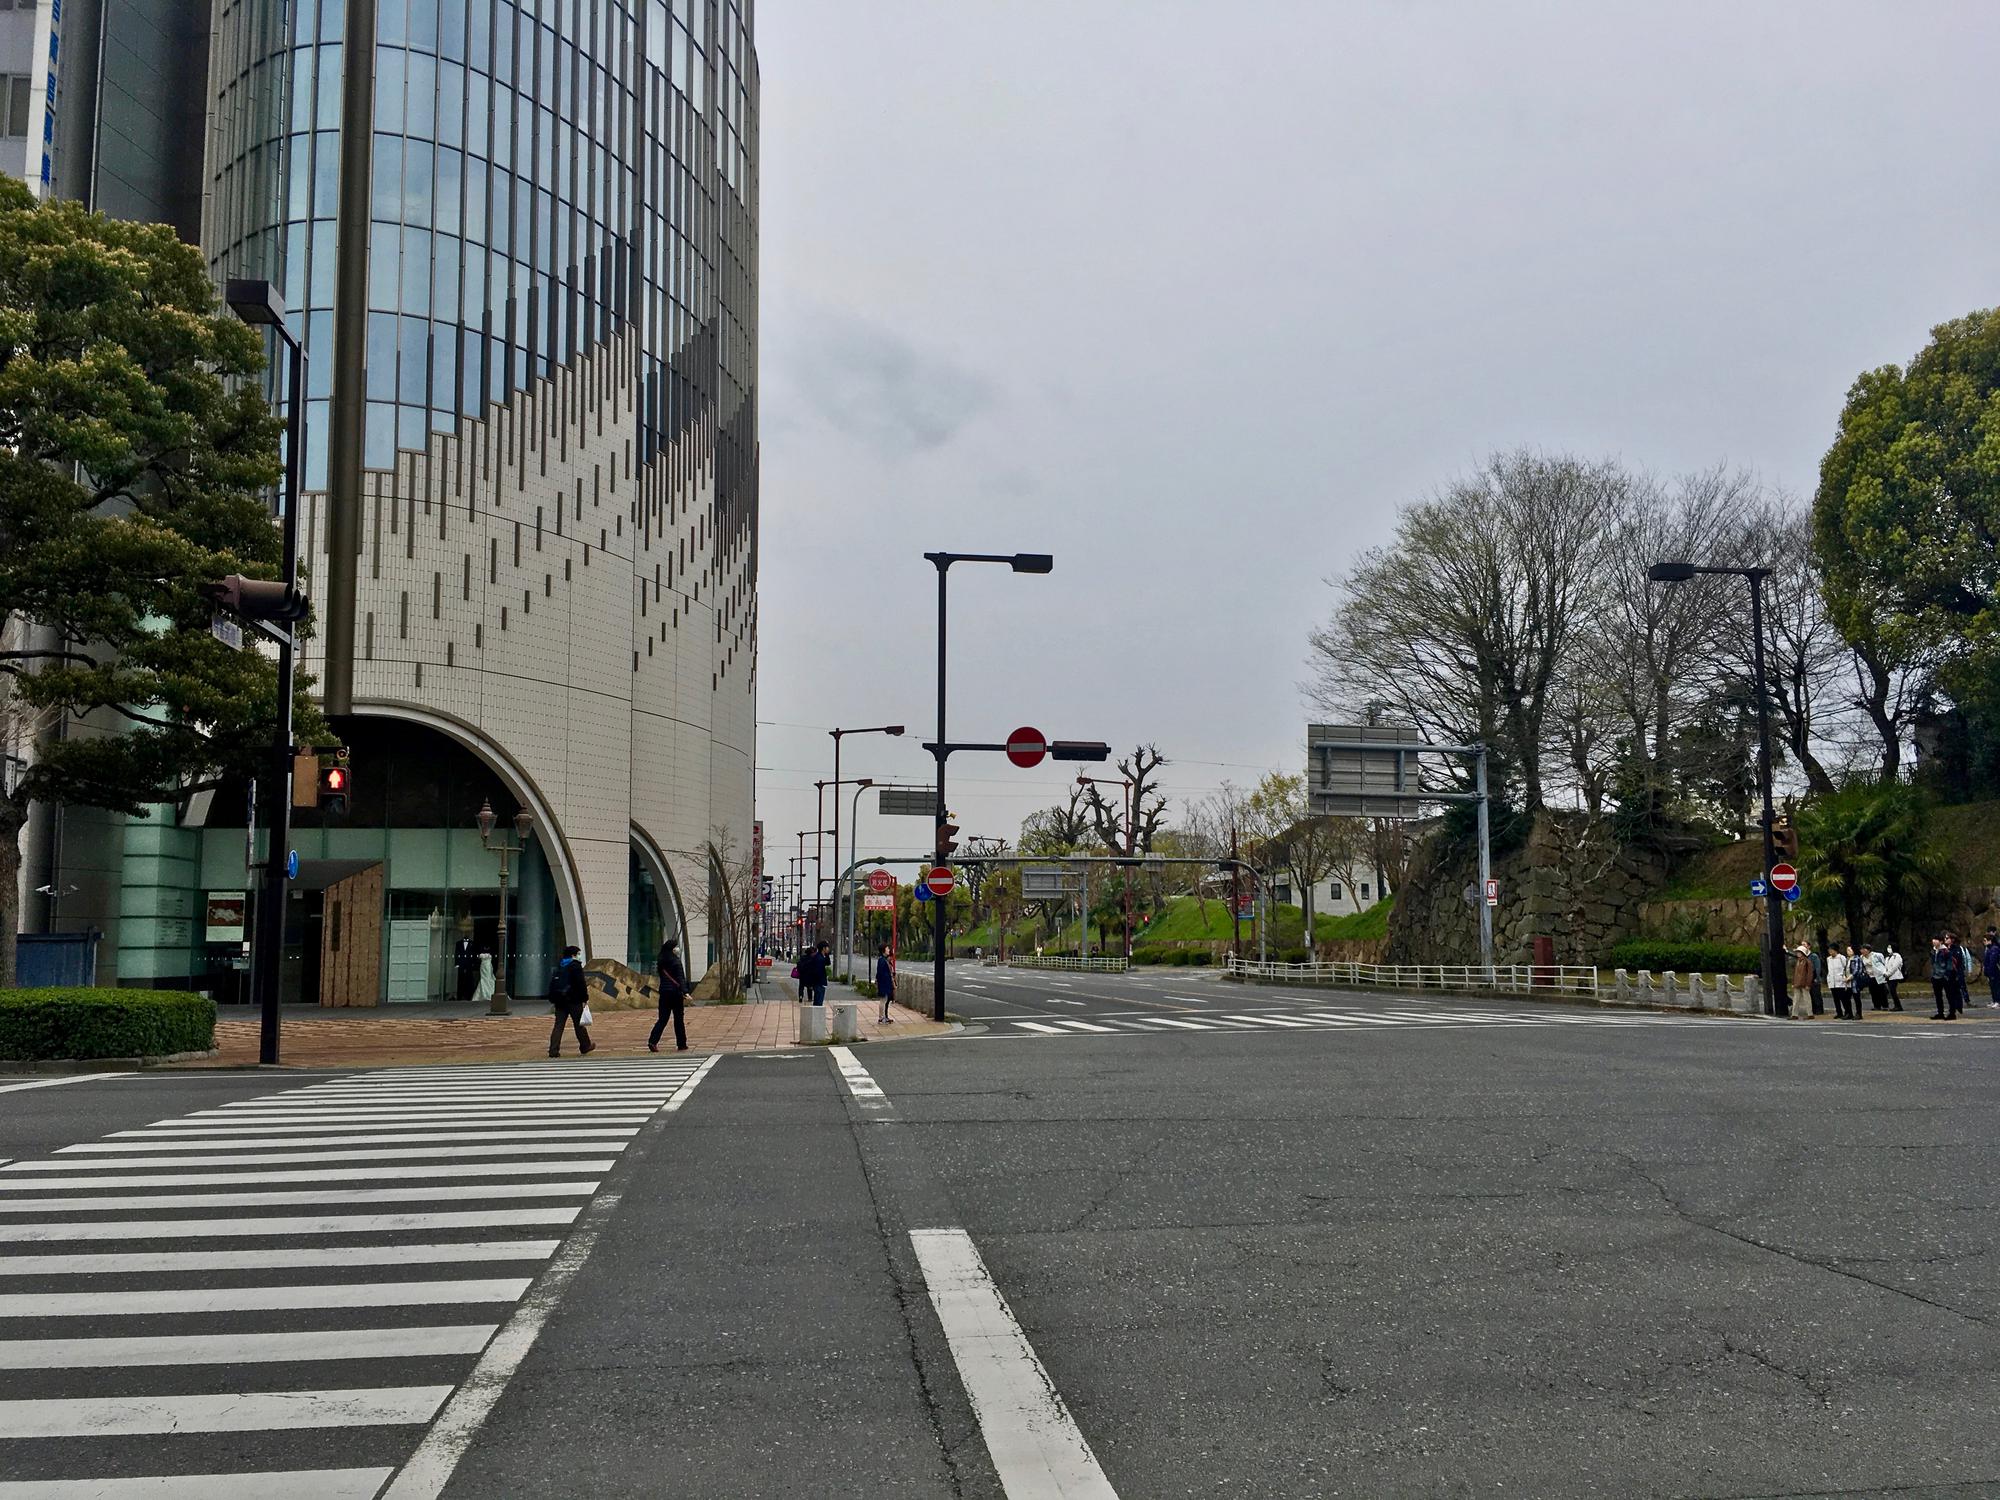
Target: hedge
(86, 1023)
(1684, 958)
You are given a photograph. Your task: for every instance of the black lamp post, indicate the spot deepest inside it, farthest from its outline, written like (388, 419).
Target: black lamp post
(893, 730)
(1774, 901)
(1020, 562)
(524, 829)
(259, 304)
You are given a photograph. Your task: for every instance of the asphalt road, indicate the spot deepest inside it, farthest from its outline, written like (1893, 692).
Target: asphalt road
(1507, 1249)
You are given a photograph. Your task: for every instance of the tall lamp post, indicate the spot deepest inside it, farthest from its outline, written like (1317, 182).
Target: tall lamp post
(895, 731)
(1774, 901)
(524, 829)
(860, 785)
(1020, 562)
(259, 304)
(1130, 842)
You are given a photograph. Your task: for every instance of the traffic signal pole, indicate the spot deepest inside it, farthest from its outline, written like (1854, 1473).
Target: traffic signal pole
(1775, 989)
(941, 752)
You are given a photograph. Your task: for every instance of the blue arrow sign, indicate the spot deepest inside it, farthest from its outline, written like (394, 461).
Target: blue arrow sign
(924, 892)
(292, 865)
(1758, 888)
(1792, 894)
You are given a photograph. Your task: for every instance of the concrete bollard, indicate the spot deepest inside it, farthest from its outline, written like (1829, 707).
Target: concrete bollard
(812, 1024)
(846, 1020)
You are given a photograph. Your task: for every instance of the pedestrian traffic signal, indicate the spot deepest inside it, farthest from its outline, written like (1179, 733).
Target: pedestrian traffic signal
(1784, 838)
(947, 838)
(336, 785)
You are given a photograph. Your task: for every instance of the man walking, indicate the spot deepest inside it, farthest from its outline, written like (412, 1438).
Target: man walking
(569, 993)
(885, 981)
(812, 974)
(673, 997)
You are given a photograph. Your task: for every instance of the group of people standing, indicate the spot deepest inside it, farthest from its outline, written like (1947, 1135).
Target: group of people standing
(1851, 972)
(816, 963)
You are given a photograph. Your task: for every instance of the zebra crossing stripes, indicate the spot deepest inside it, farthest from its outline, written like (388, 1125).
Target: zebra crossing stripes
(155, 1293)
(1317, 1019)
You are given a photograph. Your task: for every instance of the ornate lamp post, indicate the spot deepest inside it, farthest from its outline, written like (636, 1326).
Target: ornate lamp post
(524, 829)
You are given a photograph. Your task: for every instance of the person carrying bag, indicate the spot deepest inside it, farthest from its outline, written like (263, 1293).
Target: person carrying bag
(569, 993)
(673, 997)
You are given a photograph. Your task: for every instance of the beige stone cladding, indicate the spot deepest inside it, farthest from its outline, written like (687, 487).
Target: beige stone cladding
(572, 615)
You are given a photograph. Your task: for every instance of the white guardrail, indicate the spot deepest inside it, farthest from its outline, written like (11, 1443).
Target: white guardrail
(1546, 979)
(1069, 965)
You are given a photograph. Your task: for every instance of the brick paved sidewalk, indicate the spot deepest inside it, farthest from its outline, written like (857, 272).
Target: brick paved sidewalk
(375, 1039)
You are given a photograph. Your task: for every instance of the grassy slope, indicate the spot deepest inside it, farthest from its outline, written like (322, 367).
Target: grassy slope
(1971, 831)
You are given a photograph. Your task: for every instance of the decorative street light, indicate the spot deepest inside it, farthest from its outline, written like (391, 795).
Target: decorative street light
(1774, 901)
(524, 830)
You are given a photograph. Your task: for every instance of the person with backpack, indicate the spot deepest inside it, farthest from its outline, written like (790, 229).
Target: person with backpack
(569, 993)
(673, 997)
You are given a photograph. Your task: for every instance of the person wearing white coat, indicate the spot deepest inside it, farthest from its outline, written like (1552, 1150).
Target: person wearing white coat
(1892, 974)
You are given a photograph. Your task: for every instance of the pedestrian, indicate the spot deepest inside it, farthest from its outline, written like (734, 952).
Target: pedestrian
(1818, 973)
(673, 997)
(1965, 967)
(1840, 976)
(1802, 979)
(812, 974)
(1892, 973)
(1989, 965)
(569, 993)
(465, 959)
(1943, 991)
(885, 981)
(1857, 973)
(1871, 976)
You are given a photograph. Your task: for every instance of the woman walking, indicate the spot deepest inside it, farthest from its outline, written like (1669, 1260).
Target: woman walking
(885, 981)
(569, 993)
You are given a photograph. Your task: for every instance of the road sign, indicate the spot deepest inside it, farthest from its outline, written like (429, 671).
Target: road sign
(1470, 895)
(940, 880)
(881, 882)
(1792, 894)
(923, 891)
(1758, 888)
(292, 865)
(226, 631)
(906, 801)
(1783, 878)
(878, 901)
(1371, 783)
(1050, 884)
(1026, 747)
(1492, 893)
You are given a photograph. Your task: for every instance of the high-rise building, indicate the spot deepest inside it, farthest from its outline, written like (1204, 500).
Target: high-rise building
(521, 250)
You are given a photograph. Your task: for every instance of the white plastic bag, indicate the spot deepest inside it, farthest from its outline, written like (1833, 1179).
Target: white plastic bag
(585, 1019)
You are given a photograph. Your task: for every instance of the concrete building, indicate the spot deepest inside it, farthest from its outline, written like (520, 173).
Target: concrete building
(521, 250)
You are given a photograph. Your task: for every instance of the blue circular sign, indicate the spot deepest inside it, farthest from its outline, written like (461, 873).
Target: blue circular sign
(292, 865)
(923, 892)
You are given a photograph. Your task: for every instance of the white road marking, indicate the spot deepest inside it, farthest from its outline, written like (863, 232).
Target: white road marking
(254, 1136)
(247, 1154)
(1038, 1026)
(866, 1091)
(268, 1259)
(260, 1298)
(1085, 1026)
(326, 1174)
(1268, 1021)
(56, 1083)
(1036, 1446)
(288, 1119)
(322, 1195)
(244, 1348)
(1188, 999)
(1170, 1021)
(250, 1228)
(236, 1411)
(430, 1467)
(295, 1484)
(1059, 1000)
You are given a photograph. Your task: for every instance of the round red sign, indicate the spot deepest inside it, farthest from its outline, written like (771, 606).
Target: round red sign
(1026, 747)
(941, 880)
(1783, 878)
(881, 882)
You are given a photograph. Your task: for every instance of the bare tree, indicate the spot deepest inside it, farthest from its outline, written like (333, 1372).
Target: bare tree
(1061, 829)
(1148, 805)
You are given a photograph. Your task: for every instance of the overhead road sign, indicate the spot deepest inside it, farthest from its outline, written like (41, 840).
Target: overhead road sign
(1050, 885)
(1364, 770)
(1027, 748)
(906, 801)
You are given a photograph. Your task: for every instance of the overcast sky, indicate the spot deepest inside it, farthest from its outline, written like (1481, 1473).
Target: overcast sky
(1194, 294)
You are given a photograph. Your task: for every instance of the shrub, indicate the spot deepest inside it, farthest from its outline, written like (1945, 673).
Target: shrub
(865, 988)
(1201, 956)
(86, 1023)
(1684, 958)
(1150, 956)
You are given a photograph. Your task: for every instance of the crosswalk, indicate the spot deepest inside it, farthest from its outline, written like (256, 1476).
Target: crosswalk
(275, 1297)
(1326, 1019)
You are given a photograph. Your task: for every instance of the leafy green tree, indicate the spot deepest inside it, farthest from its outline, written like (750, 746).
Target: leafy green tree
(1868, 855)
(1906, 523)
(136, 453)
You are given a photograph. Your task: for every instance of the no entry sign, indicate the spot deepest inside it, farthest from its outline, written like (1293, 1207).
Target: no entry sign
(881, 882)
(940, 880)
(1026, 747)
(1783, 878)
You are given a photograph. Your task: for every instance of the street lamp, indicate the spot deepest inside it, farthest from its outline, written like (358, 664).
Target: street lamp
(853, 838)
(258, 304)
(1774, 901)
(524, 829)
(895, 731)
(1020, 562)
(1130, 847)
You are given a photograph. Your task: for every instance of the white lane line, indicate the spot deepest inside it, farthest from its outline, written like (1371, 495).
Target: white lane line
(247, 1154)
(385, 1099)
(326, 1174)
(329, 1119)
(1170, 1021)
(1036, 1447)
(253, 1137)
(1059, 1000)
(258, 1411)
(573, 1189)
(261, 1298)
(252, 1228)
(1084, 1026)
(268, 1259)
(866, 1091)
(293, 1484)
(1038, 1026)
(1267, 1021)
(430, 1467)
(1371, 1017)
(1187, 999)
(245, 1348)
(56, 1083)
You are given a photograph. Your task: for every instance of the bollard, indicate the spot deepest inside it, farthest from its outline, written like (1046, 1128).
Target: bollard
(812, 1024)
(846, 1020)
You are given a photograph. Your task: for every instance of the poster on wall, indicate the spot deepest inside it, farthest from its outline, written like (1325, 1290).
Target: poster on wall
(226, 910)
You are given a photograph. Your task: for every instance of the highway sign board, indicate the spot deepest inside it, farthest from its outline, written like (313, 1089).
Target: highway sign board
(1026, 747)
(1758, 888)
(1050, 885)
(1783, 878)
(881, 882)
(940, 880)
(1371, 782)
(906, 801)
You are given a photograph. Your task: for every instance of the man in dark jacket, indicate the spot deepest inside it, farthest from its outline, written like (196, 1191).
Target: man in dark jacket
(812, 974)
(465, 958)
(673, 997)
(569, 993)
(885, 981)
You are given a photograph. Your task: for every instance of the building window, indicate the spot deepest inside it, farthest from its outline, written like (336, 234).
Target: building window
(1333, 891)
(1364, 891)
(14, 94)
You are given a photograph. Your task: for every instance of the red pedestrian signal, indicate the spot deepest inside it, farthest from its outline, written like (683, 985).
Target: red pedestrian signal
(335, 786)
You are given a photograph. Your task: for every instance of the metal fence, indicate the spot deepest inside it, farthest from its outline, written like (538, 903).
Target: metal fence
(1544, 979)
(1069, 965)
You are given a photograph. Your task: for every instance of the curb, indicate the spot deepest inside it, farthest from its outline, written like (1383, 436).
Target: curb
(26, 1066)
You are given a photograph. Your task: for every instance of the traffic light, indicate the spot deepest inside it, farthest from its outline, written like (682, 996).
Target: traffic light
(256, 599)
(1785, 838)
(947, 838)
(336, 784)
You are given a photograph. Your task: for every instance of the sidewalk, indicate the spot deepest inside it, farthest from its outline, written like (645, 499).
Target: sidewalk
(380, 1038)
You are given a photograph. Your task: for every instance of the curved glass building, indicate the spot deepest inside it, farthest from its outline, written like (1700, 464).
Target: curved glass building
(519, 241)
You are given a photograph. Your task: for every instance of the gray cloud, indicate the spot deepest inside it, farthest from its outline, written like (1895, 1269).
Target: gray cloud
(877, 387)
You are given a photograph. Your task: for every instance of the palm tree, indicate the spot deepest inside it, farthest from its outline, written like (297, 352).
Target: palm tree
(1870, 849)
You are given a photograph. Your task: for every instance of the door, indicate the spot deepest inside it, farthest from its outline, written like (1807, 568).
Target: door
(410, 958)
